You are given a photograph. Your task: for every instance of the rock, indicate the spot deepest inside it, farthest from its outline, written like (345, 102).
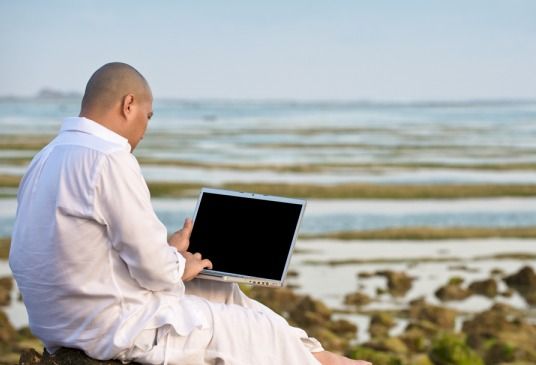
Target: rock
(374, 356)
(449, 349)
(486, 287)
(416, 340)
(420, 359)
(502, 331)
(524, 281)
(507, 293)
(310, 312)
(388, 344)
(307, 313)
(357, 299)
(497, 272)
(398, 283)
(6, 285)
(329, 339)
(280, 300)
(29, 357)
(456, 280)
(452, 290)
(365, 274)
(440, 317)
(292, 274)
(63, 356)
(381, 291)
(380, 324)
(499, 352)
(463, 268)
(424, 327)
(7, 332)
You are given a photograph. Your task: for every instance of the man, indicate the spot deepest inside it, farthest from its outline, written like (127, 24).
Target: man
(95, 266)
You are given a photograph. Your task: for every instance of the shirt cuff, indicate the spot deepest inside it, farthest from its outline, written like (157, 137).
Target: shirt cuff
(181, 263)
(312, 344)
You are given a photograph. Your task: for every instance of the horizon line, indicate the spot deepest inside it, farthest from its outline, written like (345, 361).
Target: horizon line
(51, 94)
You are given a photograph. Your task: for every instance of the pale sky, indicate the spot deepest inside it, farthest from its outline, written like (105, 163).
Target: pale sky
(350, 50)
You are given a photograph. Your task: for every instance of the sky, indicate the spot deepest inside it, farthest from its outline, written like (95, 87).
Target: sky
(376, 50)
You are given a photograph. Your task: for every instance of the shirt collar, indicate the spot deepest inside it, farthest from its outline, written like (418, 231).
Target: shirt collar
(85, 125)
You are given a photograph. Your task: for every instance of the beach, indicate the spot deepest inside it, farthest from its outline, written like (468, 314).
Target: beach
(403, 199)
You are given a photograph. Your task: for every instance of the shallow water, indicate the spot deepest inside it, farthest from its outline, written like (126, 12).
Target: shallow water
(283, 132)
(332, 283)
(324, 216)
(379, 136)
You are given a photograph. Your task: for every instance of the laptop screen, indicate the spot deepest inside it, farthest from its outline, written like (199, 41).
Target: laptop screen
(245, 235)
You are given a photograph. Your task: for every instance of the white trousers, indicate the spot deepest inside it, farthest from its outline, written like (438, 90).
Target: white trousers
(242, 331)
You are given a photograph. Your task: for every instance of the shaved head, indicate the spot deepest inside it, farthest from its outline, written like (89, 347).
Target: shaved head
(118, 97)
(110, 84)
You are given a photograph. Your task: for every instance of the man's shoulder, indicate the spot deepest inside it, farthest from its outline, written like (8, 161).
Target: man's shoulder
(88, 142)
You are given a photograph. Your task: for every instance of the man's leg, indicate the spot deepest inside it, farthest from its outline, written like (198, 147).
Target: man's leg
(230, 293)
(238, 336)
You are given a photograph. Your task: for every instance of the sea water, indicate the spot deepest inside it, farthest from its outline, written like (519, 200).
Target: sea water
(322, 143)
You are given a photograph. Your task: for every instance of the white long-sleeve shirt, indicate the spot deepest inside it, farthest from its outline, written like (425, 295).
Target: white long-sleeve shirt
(89, 255)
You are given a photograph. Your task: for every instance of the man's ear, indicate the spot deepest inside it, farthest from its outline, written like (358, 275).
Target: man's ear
(126, 108)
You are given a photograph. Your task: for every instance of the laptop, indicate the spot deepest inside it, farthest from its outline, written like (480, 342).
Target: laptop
(248, 237)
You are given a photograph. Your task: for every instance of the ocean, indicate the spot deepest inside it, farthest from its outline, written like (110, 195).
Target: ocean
(217, 142)
(328, 145)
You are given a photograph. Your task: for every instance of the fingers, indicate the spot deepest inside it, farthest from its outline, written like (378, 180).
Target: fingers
(194, 265)
(207, 264)
(187, 226)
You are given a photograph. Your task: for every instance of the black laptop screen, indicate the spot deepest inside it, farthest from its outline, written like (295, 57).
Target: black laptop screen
(244, 235)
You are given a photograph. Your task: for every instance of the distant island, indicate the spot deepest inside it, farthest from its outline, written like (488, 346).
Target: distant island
(49, 93)
(45, 94)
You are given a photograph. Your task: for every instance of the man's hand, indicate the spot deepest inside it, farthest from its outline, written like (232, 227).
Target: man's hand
(181, 239)
(194, 264)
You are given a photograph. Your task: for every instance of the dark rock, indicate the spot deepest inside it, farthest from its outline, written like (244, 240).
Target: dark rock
(486, 287)
(6, 285)
(310, 314)
(463, 268)
(452, 290)
(63, 356)
(281, 300)
(7, 332)
(422, 327)
(292, 274)
(450, 349)
(524, 281)
(365, 274)
(440, 317)
(357, 299)
(398, 283)
(374, 356)
(388, 344)
(505, 328)
(416, 340)
(497, 272)
(499, 352)
(30, 357)
(380, 324)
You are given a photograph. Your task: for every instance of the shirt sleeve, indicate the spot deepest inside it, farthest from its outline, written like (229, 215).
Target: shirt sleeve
(122, 203)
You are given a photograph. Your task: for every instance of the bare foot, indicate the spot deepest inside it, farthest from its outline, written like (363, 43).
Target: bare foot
(329, 358)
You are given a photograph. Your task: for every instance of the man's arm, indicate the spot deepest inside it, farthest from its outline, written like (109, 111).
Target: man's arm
(122, 203)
